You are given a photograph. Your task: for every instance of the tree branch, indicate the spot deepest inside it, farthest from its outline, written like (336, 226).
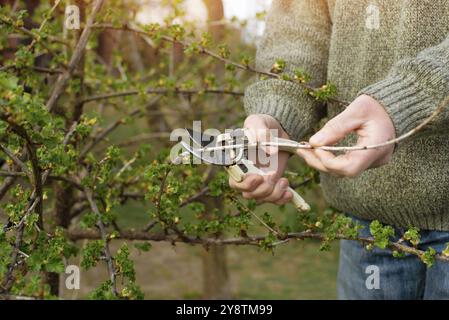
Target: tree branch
(104, 237)
(161, 91)
(214, 55)
(75, 235)
(62, 80)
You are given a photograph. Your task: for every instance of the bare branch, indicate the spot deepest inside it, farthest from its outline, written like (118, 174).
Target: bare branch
(34, 68)
(161, 91)
(195, 197)
(250, 240)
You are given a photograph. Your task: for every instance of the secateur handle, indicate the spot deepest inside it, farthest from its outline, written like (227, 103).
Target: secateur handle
(245, 166)
(238, 175)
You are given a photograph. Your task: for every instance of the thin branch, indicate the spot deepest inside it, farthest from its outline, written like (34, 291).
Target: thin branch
(214, 55)
(195, 197)
(8, 278)
(35, 177)
(62, 80)
(263, 223)
(34, 201)
(34, 68)
(301, 184)
(6, 185)
(102, 135)
(78, 209)
(75, 235)
(104, 237)
(306, 145)
(41, 27)
(51, 177)
(161, 91)
(16, 160)
(150, 225)
(142, 137)
(435, 113)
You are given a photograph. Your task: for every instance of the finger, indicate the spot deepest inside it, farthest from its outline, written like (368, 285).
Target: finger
(275, 166)
(259, 132)
(286, 197)
(263, 190)
(350, 164)
(278, 191)
(249, 184)
(311, 159)
(336, 129)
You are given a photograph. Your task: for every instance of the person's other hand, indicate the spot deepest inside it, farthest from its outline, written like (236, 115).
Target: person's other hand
(369, 120)
(270, 187)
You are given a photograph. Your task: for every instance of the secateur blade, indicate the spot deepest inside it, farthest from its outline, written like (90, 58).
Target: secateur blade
(199, 145)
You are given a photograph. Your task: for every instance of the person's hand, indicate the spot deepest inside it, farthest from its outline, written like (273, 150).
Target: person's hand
(270, 187)
(369, 120)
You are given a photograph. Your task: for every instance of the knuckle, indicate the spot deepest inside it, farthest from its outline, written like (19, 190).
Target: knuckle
(254, 182)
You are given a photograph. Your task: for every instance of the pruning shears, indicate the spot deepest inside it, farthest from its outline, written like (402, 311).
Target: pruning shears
(230, 150)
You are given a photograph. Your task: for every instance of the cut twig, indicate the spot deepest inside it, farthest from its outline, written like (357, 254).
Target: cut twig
(306, 145)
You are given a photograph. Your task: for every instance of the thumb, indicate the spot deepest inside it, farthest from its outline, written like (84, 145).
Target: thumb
(336, 129)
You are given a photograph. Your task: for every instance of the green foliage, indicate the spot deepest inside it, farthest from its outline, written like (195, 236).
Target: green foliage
(103, 292)
(382, 234)
(124, 265)
(446, 251)
(301, 76)
(325, 92)
(412, 235)
(144, 246)
(92, 253)
(278, 66)
(428, 257)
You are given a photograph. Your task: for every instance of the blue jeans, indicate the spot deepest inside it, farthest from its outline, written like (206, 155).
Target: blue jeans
(378, 275)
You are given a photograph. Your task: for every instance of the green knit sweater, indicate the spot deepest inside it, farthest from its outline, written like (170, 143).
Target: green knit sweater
(396, 51)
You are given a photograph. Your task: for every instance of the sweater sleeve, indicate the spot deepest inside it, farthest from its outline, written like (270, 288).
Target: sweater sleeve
(414, 88)
(298, 31)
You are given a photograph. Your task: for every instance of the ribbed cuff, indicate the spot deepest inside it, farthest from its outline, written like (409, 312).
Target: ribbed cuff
(406, 100)
(285, 101)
